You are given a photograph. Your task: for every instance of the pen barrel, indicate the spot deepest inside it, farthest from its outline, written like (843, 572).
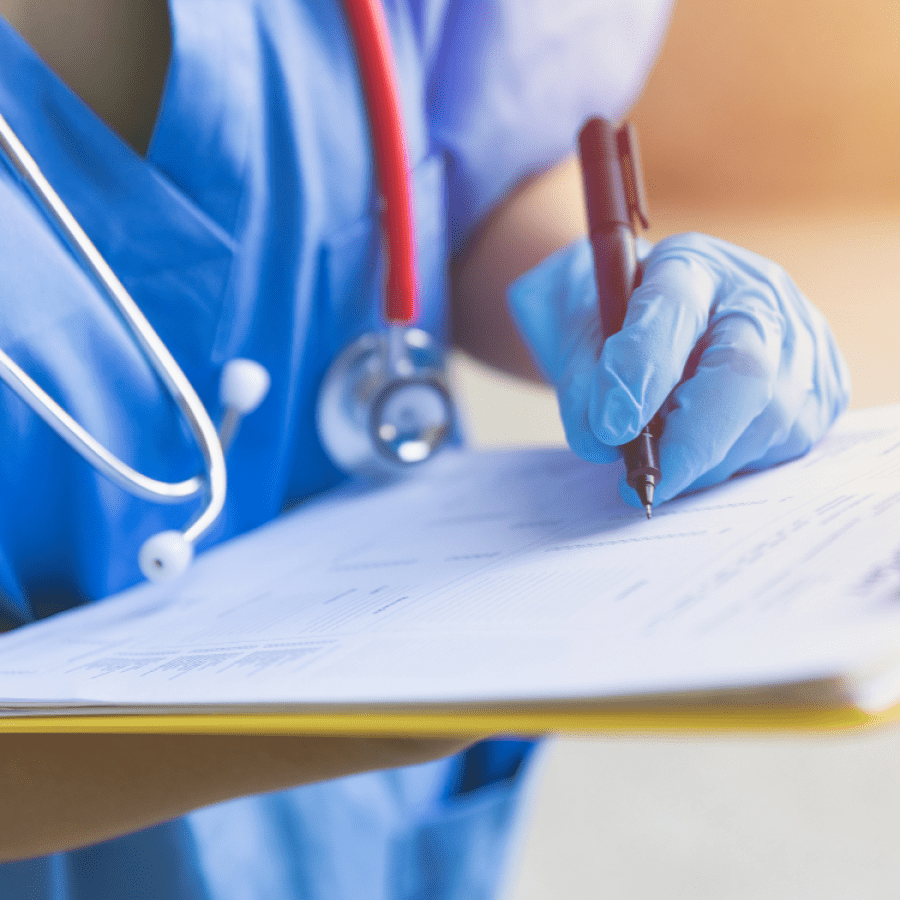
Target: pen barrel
(616, 273)
(642, 455)
(609, 221)
(601, 172)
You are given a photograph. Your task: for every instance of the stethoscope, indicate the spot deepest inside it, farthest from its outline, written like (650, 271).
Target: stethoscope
(384, 404)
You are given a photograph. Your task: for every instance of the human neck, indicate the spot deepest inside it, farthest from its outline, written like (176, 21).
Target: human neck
(112, 53)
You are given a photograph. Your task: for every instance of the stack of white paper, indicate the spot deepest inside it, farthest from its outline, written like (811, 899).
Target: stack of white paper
(512, 577)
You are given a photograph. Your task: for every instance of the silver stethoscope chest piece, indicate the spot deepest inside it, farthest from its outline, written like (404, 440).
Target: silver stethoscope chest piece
(384, 405)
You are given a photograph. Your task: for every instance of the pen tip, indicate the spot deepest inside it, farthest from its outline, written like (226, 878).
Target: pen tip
(645, 492)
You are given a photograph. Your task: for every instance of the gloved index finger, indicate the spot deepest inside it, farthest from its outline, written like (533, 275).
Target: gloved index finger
(641, 365)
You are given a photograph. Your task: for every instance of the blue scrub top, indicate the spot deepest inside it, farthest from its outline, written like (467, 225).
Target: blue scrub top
(248, 230)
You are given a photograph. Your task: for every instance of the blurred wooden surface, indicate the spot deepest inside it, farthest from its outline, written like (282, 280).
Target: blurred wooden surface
(764, 103)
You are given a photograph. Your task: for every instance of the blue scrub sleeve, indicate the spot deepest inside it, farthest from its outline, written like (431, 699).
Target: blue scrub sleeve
(511, 81)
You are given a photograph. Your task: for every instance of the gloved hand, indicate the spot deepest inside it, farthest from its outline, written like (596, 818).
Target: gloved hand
(743, 366)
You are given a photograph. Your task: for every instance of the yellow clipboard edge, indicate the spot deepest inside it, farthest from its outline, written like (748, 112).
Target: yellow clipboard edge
(448, 722)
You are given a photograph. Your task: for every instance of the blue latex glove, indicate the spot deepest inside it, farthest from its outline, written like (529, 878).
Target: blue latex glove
(743, 366)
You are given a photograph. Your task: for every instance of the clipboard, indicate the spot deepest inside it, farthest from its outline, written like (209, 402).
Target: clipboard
(502, 593)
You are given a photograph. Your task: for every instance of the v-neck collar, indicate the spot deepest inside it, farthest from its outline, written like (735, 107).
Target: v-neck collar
(166, 222)
(196, 162)
(210, 105)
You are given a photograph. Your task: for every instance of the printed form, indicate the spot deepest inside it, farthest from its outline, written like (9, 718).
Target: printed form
(511, 576)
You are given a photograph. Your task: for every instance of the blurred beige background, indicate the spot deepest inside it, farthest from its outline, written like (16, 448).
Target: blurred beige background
(776, 126)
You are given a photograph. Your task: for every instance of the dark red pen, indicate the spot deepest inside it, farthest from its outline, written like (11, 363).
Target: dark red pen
(615, 200)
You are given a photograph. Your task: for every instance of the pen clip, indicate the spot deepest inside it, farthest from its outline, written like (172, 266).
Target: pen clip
(632, 175)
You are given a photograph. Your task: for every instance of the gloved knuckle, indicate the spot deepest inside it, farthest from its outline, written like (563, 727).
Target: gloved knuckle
(781, 421)
(775, 274)
(689, 241)
(695, 314)
(755, 365)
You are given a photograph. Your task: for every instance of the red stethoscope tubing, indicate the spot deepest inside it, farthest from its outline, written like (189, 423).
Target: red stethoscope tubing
(373, 49)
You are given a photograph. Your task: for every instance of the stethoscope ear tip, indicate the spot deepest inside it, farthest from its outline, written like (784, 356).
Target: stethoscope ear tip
(165, 556)
(244, 385)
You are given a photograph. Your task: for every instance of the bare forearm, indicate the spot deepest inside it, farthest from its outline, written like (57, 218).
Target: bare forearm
(539, 217)
(63, 791)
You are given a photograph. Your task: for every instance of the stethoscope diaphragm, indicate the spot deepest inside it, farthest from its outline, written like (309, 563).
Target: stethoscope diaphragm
(384, 405)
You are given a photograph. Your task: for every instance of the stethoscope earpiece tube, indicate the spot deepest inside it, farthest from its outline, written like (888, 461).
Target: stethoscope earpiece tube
(171, 555)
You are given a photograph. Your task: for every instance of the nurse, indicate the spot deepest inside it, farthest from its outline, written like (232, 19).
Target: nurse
(239, 211)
